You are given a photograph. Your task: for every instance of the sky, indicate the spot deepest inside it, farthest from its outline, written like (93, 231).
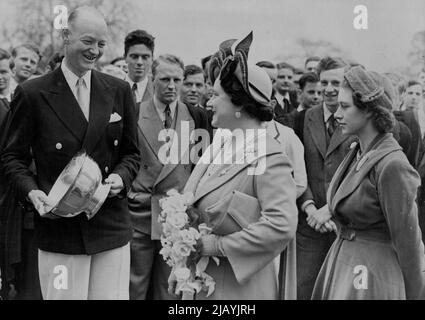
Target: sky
(192, 29)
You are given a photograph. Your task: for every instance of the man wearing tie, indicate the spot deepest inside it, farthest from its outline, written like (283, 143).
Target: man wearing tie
(325, 148)
(139, 47)
(159, 116)
(54, 117)
(285, 94)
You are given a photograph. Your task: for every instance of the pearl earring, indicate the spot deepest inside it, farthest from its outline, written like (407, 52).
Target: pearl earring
(238, 115)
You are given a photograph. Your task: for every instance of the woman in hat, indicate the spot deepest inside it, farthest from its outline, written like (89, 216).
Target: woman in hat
(378, 253)
(250, 200)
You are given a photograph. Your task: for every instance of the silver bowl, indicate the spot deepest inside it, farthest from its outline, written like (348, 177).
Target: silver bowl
(78, 189)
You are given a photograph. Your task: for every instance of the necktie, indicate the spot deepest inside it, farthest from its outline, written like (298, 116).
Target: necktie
(168, 119)
(286, 105)
(133, 91)
(80, 97)
(332, 124)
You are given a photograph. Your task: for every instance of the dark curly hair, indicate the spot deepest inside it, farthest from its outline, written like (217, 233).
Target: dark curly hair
(239, 97)
(382, 117)
(139, 37)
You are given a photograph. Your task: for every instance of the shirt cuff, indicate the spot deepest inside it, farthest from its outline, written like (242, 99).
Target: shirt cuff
(305, 204)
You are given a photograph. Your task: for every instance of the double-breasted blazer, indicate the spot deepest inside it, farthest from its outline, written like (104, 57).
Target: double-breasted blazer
(47, 125)
(256, 217)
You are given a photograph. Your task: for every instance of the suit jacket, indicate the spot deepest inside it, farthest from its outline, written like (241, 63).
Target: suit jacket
(408, 118)
(255, 215)
(282, 113)
(297, 121)
(4, 116)
(48, 121)
(321, 162)
(155, 178)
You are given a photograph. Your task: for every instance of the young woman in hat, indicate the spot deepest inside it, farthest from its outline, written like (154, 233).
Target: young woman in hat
(378, 253)
(249, 201)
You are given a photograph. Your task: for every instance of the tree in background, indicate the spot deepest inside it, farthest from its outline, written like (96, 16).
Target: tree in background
(36, 24)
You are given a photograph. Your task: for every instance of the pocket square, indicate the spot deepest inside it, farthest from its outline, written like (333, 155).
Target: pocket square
(115, 118)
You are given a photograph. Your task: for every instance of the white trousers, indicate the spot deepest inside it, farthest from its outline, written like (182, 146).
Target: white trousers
(102, 276)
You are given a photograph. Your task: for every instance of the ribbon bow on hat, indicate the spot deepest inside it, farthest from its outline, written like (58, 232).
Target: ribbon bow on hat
(232, 58)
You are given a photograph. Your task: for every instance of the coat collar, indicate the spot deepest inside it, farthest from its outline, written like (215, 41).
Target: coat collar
(227, 172)
(341, 187)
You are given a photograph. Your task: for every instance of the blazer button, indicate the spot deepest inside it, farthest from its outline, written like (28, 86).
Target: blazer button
(116, 143)
(58, 146)
(106, 169)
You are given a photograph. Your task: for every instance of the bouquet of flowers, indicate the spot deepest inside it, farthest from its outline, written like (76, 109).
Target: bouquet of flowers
(181, 230)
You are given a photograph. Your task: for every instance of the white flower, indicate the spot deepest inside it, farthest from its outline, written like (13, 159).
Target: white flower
(181, 249)
(189, 236)
(182, 274)
(177, 220)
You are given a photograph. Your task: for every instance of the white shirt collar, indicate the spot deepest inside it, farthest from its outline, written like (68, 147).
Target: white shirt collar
(280, 97)
(300, 108)
(71, 78)
(160, 107)
(141, 86)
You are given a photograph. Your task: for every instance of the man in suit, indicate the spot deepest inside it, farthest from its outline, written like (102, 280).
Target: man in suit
(285, 93)
(160, 116)
(193, 86)
(310, 95)
(71, 109)
(311, 64)
(139, 47)
(4, 89)
(325, 148)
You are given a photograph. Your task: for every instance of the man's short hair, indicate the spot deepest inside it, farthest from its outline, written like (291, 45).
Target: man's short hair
(412, 83)
(330, 63)
(192, 69)
(309, 59)
(30, 46)
(284, 65)
(266, 64)
(167, 58)
(310, 77)
(4, 54)
(139, 37)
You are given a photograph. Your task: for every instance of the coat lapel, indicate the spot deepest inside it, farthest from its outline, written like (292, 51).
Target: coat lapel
(150, 125)
(63, 103)
(182, 114)
(316, 125)
(102, 98)
(357, 173)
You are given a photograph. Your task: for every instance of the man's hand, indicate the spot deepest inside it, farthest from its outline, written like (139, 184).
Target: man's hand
(116, 183)
(41, 203)
(318, 219)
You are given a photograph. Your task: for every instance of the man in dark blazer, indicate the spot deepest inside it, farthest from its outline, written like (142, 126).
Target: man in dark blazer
(139, 47)
(285, 94)
(56, 116)
(159, 117)
(325, 147)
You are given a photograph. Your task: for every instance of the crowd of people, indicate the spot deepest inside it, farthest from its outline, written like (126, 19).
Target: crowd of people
(336, 213)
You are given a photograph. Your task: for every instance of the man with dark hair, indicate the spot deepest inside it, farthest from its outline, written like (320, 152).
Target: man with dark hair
(159, 117)
(311, 64)
(25, 59)
(54, 62)
(139, 48)
(193, 86)
(120, 63)
(325, 148)
(209, 90)
(298, 73)
(285, 94)
(310, 95)
(71, 109)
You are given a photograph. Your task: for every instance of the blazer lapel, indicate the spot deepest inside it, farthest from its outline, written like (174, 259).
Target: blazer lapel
(317, 128)
(336, 140)
(182, 114)
(102, 98)
(63, 103)
(150, 125)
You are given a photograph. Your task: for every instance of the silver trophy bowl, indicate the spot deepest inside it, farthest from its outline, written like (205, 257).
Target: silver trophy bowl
(78, 189)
